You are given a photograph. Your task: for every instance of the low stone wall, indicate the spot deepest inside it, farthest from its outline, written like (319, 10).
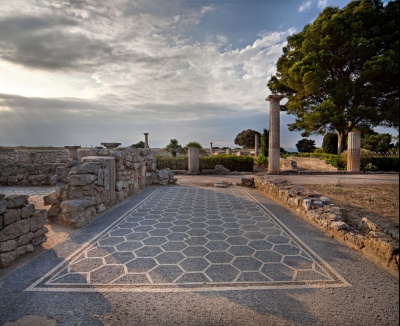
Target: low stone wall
(85, 189)
(27, 174)
(20, 156)
(320, 211)
(21, 227)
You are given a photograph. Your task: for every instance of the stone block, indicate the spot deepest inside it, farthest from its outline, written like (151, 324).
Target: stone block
(248, 182)
(3, 206)
(24, 239)
(40, 232)
(17, 201)
(118, 186)
(7, 258)
(24, 249)
(14, 230)
(81, 179)
(11, 216)
(40, 240)
(38, 220)
(75, 206)
(86, 168)
(100, 177)
(8, 245)
(80, 219)
(28, 211)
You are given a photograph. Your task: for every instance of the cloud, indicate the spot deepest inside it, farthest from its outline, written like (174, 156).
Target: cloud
(127, 68)
(322, 4)
(305, 6)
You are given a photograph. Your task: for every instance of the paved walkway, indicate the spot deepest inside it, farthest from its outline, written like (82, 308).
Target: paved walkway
(183, 255)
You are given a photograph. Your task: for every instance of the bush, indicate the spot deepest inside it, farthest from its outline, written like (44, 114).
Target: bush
(330, 143)
(231, 162)
(173, 163)
(366, 157)
(261, 160)
(386, 163)
(371, 167)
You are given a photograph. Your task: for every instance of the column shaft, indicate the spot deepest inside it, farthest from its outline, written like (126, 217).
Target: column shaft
(354, 152)
(194, 161)
(274, 134)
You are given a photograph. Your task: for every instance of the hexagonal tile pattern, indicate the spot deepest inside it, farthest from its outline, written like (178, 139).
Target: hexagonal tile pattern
(188, 237)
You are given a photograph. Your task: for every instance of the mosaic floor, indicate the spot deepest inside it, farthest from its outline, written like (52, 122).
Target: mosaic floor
(185, 238)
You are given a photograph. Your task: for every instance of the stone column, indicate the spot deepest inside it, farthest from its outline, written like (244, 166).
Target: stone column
(228, 151)
(194, 161)
(211, 148)
(274, 134)
(257, 147)
(354, 152)
(72, 152)
(146, 140)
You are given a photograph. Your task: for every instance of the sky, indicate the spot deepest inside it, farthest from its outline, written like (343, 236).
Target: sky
(83, 72)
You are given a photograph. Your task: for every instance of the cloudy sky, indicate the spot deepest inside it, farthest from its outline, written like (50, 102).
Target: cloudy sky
(88, 71)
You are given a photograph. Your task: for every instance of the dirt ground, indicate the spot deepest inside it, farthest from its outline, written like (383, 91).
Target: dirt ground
(378, 203)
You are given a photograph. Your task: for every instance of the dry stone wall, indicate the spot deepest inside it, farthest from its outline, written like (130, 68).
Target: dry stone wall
(21, 227)
(82, 190)
(27, 174)
(14, 156)
(319, 210)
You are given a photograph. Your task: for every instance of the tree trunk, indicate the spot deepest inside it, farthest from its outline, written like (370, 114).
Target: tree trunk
(341, 142)
(173, 153)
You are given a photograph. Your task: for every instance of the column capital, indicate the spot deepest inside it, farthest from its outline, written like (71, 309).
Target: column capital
(275, 98)
(146, 133)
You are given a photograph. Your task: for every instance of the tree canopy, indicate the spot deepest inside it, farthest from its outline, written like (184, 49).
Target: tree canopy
(140, 144)
(265, 142)
(173, 147)
(247, 138)
(306, 146)
(341, 71)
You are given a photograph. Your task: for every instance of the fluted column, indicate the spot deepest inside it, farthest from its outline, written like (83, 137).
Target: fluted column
(274, 134)
(146, 140)
(354, 152)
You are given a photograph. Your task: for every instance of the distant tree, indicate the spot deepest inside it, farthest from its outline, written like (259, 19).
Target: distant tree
(173, 147)
(330, 143)
(247, 138)
(377, 142)
(197, 145)
(306, 146)
(341, 72)
(265, 142)
(140, 144)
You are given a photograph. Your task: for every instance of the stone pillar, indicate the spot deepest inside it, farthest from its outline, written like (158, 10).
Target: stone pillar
(72, 152)
(274, 134)
(228, 151)
(108, 179)
(257, 147)
(194, 161)
(211, 148)
(354, 152)
(146, 140)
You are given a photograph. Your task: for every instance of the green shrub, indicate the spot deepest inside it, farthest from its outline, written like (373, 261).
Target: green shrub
(231, 162)
(366, 157)
(386, 163)
(371, 167)
(261, 160)
(173, 163)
